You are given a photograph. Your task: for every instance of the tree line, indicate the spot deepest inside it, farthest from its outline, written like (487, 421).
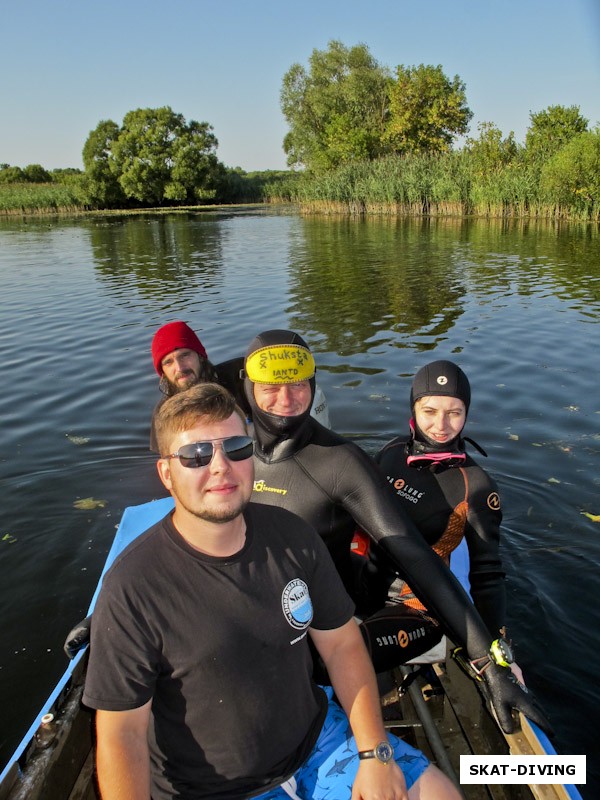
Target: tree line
(347, 115)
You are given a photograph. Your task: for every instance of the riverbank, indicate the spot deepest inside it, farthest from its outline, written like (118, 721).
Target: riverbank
(35, 199)
(453, 184)
(48, 204)
(40, 198)
(414, 186)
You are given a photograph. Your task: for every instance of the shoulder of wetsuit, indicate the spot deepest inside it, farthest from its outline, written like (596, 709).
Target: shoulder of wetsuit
(315, 433)
(230, 377)
(398, 442)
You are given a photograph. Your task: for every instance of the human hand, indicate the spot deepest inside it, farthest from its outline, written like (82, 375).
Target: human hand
(78, 637)
(517, 672)
(377, 781)
(506, 694)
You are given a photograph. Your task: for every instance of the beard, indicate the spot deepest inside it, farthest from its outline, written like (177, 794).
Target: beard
(185, 380)
(205, 373)
(226, 511)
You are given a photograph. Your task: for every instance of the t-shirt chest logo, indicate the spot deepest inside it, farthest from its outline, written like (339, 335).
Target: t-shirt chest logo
(297, 605)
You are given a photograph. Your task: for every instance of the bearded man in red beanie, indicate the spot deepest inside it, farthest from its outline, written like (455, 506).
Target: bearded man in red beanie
(181, 361)
(180, 358)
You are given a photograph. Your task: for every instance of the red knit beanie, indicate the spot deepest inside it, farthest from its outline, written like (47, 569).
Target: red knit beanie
(171, 337)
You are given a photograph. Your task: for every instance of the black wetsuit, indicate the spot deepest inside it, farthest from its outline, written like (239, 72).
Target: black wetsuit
(449, 500)
(335, 486)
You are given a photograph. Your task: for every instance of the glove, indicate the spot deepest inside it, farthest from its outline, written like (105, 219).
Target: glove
(78, 637)
(506, 693)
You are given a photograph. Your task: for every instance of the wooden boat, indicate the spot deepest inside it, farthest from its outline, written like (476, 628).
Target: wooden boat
(442, 712)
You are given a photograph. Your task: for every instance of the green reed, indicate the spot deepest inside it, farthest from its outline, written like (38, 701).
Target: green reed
(32, 198)
(452, 184)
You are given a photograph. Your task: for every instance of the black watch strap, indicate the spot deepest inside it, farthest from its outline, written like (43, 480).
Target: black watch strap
(383, 752)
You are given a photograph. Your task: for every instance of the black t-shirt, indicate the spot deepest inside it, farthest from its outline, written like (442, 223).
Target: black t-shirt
(220, 645)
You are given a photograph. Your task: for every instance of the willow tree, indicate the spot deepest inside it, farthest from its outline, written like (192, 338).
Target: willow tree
(550, 130)
(490, 152)
(100, 181)
(159, 156)
(427, 110)
(336, 109)
(153, 158)
(571, 177)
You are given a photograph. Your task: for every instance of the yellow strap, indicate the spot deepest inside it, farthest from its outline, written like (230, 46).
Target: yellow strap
(280, 363)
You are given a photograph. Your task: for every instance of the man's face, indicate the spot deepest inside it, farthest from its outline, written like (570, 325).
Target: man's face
(181, 368)
(285, 399)
(218, 492)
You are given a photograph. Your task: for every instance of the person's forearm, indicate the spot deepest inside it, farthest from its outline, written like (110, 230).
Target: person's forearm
(123, 765)
(355, 685)
(377, 512)
(443, 595)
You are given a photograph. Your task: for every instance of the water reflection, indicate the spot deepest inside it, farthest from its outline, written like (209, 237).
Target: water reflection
(404, 282)
(386, 279)
(512, 302)
(158, 254)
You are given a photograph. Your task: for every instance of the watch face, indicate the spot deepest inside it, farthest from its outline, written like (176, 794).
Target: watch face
(384, 752)
(502, 652)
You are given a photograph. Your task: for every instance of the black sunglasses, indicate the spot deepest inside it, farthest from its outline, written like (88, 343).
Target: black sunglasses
(200, 454)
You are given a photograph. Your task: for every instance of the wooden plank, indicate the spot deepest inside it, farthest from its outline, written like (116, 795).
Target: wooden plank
(454, 741)
(458, 745)
(481, 731)
(85, 786)
(526, 743)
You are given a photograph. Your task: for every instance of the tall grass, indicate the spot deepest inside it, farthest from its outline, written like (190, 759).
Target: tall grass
(32, 198)
(455, 184)
(438, 185)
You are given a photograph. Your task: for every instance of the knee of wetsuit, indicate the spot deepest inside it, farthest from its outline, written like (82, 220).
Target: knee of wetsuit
(397, 634)
(78, 637)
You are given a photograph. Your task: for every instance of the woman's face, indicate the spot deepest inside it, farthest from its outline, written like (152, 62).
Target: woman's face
(439, 417)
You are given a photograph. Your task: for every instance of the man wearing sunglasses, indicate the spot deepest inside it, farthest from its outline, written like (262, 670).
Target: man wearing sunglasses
(200, 668)
(336, 487)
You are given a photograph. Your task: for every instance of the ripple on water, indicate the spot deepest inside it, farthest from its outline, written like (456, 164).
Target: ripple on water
(377, 299)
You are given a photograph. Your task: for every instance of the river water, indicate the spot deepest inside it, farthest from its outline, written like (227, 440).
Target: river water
(517, 305)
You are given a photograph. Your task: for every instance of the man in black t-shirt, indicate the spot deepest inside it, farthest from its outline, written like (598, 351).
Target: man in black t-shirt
(200, 666)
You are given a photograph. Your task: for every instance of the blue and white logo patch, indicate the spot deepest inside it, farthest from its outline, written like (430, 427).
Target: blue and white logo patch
(297, 605)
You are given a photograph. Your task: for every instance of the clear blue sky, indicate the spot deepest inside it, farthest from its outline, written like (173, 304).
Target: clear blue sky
(67, 64)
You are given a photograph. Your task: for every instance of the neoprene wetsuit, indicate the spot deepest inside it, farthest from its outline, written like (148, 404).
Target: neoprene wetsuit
(449, 500)
(335, 486)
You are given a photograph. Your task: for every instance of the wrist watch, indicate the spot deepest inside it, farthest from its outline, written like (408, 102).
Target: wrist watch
(382, 752)
(501, 652)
